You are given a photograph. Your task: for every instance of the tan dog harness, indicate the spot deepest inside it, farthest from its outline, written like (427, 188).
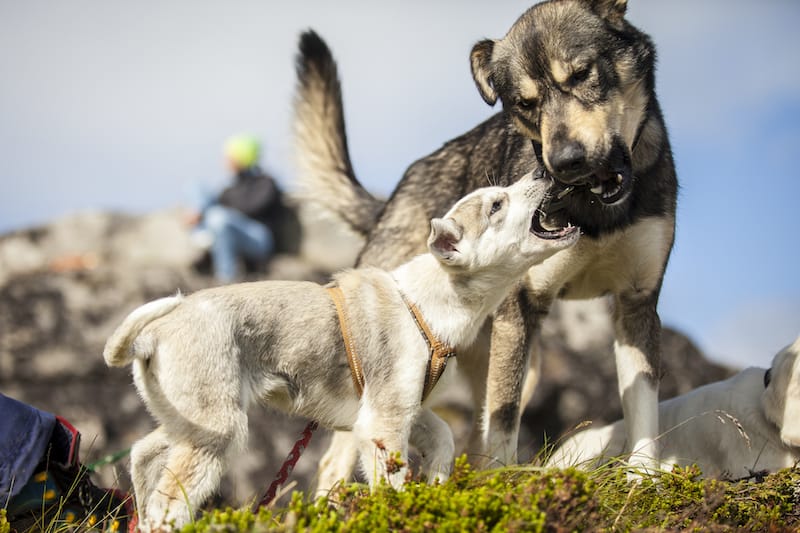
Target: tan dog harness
(438, 353)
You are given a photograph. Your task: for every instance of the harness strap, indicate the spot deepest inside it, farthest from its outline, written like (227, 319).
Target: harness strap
(352, 358)
(438, 353)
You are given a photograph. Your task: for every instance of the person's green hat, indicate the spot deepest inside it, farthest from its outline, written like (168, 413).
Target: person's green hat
(243, 150)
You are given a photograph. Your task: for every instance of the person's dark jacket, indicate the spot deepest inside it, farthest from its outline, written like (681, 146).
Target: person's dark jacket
(254, 193)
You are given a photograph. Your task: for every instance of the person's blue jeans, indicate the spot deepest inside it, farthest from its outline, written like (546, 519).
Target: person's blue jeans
(234, 236)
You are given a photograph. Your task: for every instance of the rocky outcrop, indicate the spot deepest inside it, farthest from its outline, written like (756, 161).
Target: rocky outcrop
(65, 286)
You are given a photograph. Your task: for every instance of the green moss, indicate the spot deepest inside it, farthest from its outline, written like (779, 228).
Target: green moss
(528, 498)
(773, 503)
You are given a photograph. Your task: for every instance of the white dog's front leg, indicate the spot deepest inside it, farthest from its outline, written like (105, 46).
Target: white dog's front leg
(639, 396)
(432, 438)
(383, 445)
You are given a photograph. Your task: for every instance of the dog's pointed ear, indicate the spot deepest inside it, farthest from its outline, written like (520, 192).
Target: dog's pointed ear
(480, 60)
(611, 10)
(443, 240)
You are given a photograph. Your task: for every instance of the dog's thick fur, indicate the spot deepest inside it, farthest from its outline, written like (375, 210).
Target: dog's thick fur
(576, 82)
(201, 360)
(732, 429)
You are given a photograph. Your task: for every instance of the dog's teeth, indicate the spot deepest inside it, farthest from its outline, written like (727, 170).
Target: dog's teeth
(619, 178)
(597, 189)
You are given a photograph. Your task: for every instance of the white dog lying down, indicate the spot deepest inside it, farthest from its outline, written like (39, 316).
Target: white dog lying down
(731, 429)
(201, 360)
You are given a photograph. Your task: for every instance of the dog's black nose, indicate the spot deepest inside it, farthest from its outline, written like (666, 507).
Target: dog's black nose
(568, 161)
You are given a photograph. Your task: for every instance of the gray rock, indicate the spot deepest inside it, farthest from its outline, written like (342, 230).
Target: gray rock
(65, 286)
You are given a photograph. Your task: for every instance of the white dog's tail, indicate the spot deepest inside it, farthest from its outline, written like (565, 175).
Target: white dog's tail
(325, 175)
(119, 350)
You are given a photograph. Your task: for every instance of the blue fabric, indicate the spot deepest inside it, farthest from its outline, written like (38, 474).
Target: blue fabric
(234, 235)
(24, 436)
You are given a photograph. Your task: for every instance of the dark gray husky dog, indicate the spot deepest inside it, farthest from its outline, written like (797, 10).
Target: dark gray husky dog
(576, 82)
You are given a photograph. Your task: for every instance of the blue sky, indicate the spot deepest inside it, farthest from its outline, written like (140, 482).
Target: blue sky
(123, 105)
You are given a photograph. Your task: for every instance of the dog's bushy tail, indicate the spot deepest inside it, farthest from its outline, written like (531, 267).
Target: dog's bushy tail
(325, 174)
(119, 350)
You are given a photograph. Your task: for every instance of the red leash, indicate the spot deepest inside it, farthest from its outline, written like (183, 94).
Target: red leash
(288, 465)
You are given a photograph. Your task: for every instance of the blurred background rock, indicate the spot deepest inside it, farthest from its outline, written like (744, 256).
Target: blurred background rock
(66, 285)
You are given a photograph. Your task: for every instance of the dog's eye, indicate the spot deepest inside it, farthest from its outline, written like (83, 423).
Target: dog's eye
(495, 207)
(579, 75)
(526, 103)
(767, 377)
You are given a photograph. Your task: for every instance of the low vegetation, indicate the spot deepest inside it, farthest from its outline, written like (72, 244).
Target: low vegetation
(528, 498)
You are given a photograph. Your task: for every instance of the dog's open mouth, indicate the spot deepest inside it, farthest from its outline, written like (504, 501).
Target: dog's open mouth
(611, 186)
(551, 234)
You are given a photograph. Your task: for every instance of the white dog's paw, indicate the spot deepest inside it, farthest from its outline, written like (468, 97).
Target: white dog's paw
(164, 515)
(438, 477)
(641, 467)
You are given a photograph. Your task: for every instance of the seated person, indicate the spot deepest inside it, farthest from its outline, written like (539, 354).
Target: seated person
(235, 225)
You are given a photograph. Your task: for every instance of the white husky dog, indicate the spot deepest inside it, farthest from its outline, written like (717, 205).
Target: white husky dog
(731, 429)
(200, 361)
